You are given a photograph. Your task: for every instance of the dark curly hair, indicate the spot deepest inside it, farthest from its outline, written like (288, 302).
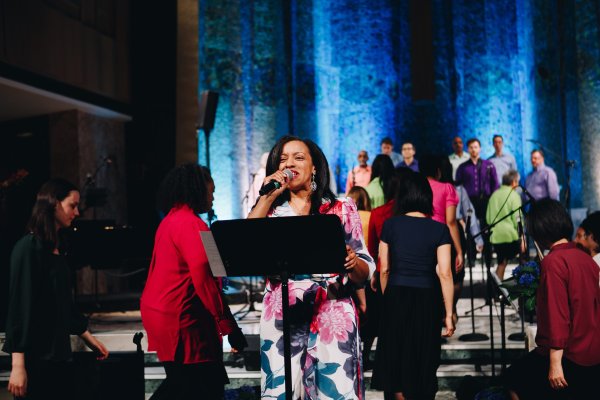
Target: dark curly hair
(322, 177)
(43, 220)
(185, 184)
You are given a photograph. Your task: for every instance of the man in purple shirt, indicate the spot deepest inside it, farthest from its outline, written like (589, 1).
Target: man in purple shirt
(478, 177)
(542, 181)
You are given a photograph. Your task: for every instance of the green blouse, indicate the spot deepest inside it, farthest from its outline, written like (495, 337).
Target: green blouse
(375, 191)
(41, 313)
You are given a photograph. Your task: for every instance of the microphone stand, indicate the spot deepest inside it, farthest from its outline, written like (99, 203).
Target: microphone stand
(524, 255)
(486, 231)
(211, 212)
(473, 336)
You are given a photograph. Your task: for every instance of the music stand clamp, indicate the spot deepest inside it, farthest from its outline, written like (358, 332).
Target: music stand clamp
(278, 246)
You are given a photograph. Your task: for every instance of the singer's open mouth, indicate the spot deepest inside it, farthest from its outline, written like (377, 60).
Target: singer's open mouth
(295, 173)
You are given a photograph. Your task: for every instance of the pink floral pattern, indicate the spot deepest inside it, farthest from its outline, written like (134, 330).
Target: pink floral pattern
(332, 323)
(325, 345)
(272, 302)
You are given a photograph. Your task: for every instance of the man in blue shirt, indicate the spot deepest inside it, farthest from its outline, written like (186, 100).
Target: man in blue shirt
(408, 157)
(542, 181)
(387, 148)
(503, 161)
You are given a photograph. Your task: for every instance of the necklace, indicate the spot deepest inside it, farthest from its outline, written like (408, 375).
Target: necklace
(302, 210)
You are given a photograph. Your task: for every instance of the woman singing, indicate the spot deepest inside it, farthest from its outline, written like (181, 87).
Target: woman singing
(183, 311)
(41, 314)
(326, 360)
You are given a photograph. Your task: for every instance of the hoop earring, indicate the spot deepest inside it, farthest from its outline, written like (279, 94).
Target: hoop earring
(313, 184)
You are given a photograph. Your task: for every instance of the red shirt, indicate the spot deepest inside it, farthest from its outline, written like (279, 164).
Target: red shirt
(378, 216)
(568, 305)
(181, 302)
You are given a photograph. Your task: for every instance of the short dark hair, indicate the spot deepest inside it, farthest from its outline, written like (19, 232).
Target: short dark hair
(548, 221)
(322, 177)
(363, 202)
(411, 143)
(185, 184)
(473, 140)
(538, 151)
(591, 225)
(414, 194)
(497, 136)
(42, 222)
(509, 177)
(386, 140)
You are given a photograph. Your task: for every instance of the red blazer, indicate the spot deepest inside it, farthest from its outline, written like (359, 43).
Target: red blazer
(182, 302)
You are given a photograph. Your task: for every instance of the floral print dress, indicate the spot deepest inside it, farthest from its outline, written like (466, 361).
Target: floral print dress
(325, 345)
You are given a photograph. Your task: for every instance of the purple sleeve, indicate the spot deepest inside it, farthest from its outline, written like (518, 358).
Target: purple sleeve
(459, 175)
(553, 190)
(494, 185)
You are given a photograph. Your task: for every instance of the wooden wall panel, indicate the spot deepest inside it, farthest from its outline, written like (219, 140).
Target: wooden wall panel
(82, 43)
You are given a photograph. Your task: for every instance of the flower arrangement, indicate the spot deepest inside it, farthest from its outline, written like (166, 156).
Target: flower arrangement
(524, 283)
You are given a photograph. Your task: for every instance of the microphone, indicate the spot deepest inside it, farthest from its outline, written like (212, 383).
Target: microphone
(531, 198)
(274, 185)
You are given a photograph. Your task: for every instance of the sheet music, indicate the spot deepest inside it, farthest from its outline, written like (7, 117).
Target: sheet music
(212, 253)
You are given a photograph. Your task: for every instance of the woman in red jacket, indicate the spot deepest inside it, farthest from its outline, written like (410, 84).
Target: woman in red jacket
(182, 307)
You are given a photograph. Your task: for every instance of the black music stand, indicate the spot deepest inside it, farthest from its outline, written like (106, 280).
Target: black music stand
(281, 246)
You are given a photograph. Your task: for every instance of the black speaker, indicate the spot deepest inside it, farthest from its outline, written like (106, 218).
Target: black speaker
(119, 377)
(207, 110)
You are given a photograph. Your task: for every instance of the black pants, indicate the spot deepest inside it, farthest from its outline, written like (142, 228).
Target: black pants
(528, 377)
(192, 381)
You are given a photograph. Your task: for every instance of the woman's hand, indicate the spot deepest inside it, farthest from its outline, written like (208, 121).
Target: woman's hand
(17, 383)
(95, 345)
(237, 340)
(375, 282)
(556, 376)
(449, 324)
(280, 177)
(262, 206)
(459, 262)
(351, 259)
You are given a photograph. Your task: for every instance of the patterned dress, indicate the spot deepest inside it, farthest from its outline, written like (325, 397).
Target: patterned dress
(325, 345)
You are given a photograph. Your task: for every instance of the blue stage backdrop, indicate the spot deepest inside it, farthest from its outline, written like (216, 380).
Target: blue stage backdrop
(343, 74)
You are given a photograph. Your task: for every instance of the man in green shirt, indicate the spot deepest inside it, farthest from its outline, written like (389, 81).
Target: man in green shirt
(505, 235)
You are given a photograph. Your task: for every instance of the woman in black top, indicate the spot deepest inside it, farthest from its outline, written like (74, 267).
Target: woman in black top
(41, 315)
(414, 253)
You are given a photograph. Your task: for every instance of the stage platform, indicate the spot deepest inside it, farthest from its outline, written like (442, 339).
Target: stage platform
(459, 359)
